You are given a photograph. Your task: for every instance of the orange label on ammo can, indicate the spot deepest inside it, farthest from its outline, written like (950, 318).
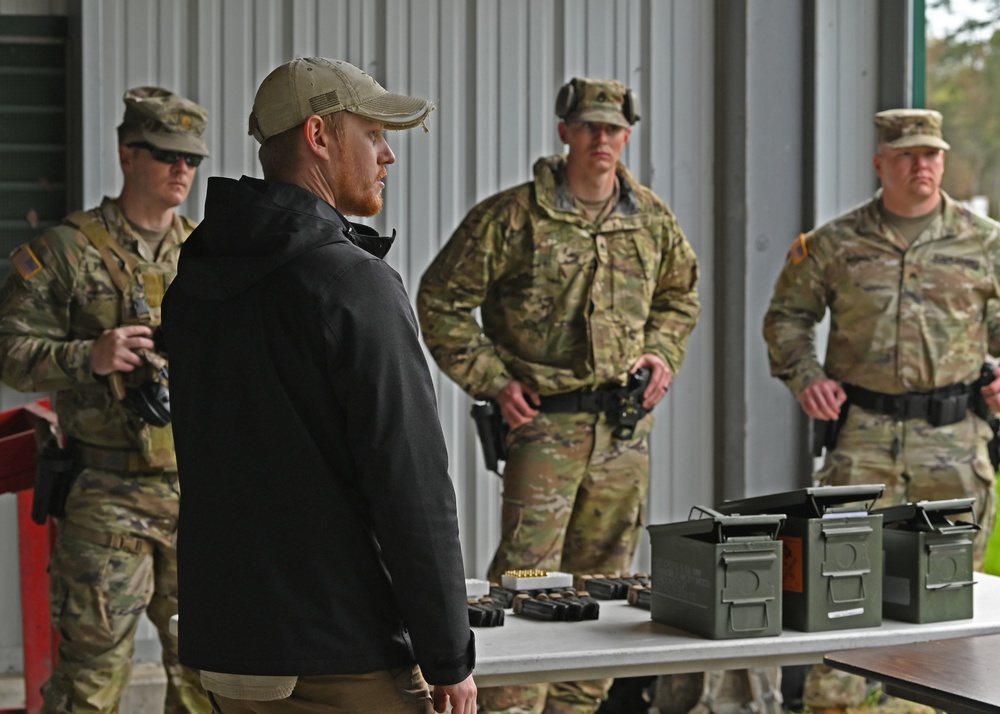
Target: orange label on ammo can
(791, 564)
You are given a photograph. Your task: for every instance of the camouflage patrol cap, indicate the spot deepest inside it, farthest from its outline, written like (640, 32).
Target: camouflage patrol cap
(168, 121)
(315, 85)
(598, 100)
(904, 128)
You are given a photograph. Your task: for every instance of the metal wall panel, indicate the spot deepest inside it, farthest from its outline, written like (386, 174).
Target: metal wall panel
(33, 7)
(846, 99)
(774, 217)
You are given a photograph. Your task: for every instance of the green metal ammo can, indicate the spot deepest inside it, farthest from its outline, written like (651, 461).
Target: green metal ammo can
(927, 575)
(717, 576)
(831, 554)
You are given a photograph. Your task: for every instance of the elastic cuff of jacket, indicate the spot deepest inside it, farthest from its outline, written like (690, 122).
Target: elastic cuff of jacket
(799, 382)
(463, 665)
(497, 384)
(671, 359)
(88, 367)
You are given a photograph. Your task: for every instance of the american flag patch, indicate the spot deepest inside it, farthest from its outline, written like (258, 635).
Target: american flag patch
(26, 263)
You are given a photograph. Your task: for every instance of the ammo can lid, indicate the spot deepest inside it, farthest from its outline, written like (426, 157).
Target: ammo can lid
(807, 502)
(722, 527)
(930, 516)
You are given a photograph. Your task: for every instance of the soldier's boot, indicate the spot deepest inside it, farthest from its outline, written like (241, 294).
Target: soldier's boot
(834, 691)
(582, 697)
(737, 691)
(515, 699)
(765, 690)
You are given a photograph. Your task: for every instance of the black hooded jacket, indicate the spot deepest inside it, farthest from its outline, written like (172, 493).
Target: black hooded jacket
(318, 530)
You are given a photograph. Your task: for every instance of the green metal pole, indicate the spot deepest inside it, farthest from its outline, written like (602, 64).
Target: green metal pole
(919, 54)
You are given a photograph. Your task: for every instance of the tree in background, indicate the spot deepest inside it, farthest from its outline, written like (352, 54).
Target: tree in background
(963, 70)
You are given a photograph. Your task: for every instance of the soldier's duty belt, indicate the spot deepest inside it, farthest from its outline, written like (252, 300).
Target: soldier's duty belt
(939, 407)
(583, 400)
(120, 460)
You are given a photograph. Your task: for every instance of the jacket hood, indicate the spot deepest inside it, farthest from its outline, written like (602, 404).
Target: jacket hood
(253, 227)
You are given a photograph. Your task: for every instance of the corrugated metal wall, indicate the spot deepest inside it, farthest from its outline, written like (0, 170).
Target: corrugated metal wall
(494, 67)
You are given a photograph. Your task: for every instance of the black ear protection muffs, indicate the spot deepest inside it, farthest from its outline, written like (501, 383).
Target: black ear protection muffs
(567, 98)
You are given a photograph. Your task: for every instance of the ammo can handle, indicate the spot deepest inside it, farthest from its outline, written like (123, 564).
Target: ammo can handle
(834, 529)
(758, 601)
(856, 573)
(749, 557)
(950, 586)
(711, 512)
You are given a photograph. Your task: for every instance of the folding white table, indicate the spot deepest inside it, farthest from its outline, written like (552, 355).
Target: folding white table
(624, 642)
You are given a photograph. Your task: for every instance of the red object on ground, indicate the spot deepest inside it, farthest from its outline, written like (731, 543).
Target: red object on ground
(17, 475)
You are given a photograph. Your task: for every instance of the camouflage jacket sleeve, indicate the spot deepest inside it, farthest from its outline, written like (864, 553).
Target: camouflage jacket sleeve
(39, 349)
(993, 305)
(675, 306)
(452, 288)
(993, 324)
(798, 303)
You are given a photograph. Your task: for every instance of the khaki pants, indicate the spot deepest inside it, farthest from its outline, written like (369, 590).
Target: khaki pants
(402, 691)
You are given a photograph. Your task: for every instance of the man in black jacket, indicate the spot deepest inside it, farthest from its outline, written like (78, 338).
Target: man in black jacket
(319, 559)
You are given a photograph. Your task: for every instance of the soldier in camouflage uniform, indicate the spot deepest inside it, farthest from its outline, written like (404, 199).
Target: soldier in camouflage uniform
(79, 316)
(907, 277)
(582, 276)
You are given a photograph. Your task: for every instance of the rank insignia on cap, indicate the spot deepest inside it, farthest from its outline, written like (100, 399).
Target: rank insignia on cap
(798, 252)
(26, 263)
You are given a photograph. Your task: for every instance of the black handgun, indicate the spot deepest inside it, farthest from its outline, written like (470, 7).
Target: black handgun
(629, 410)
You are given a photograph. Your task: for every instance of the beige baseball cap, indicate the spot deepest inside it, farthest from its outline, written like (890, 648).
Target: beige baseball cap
(315, 85)
(168, 121)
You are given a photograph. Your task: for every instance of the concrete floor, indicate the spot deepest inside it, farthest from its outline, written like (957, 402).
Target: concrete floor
(144, 694)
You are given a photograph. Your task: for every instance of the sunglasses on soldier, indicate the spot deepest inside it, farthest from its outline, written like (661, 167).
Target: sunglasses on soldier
(166, 157)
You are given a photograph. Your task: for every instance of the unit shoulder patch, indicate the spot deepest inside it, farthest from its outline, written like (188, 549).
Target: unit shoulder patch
(798, 252)
(26, 263)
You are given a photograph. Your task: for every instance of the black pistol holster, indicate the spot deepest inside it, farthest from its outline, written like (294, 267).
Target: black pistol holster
(53, 478)
(54, 472)
(492, 431)
(825, 432)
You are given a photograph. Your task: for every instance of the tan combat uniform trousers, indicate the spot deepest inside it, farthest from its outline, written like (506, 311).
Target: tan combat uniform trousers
(573, 501)
(115, 559)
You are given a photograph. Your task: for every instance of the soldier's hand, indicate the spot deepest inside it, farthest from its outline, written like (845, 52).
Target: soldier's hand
(114, 351)
(517, 403)
(991, 392)
(660, 379)
(461, 695)
(822, 399)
